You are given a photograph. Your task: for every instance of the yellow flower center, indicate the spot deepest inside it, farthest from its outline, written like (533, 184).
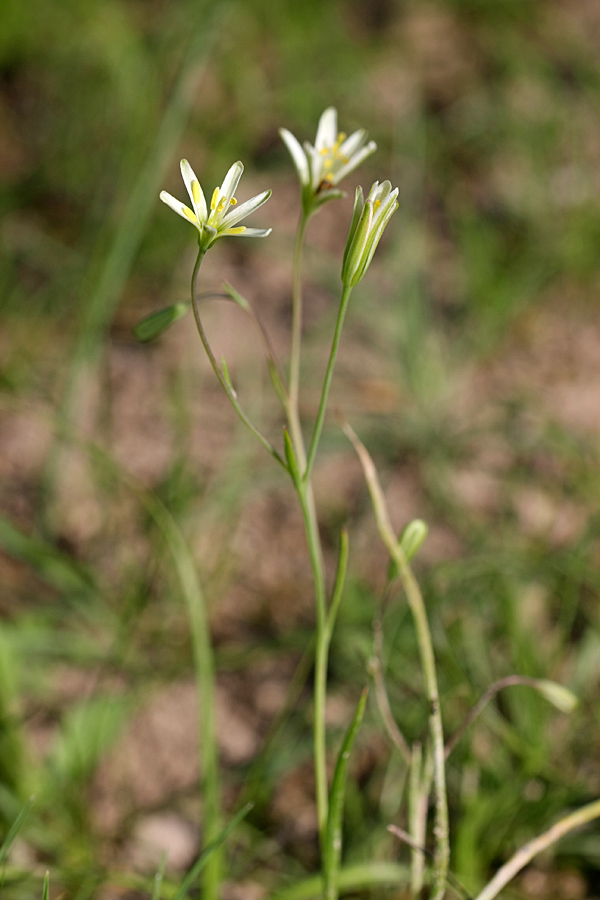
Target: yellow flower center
(333, 159)
(218, 203)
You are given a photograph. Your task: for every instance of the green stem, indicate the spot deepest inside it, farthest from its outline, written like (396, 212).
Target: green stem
(309, 514)
(311, 527)
(314, 444)
(296, 345)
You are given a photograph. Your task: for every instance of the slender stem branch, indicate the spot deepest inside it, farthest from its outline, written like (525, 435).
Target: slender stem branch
(527, 852)
(314, 444)
(508, 681)
(222, 380)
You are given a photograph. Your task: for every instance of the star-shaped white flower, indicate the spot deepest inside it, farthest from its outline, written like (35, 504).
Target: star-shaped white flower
(333, 156)
(222, 218)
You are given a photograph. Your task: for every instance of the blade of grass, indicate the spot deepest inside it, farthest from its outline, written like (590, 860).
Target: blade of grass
(135, 215)
(201, 862)
(56, 568)
(332, 850)
(353, 878)
(14, 830)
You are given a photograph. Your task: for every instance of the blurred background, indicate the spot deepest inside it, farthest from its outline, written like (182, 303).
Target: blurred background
(470, 366)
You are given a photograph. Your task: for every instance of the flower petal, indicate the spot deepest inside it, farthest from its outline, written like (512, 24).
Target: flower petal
(255, 232)
(231, 181)
(237, 213)
(180, 208)
(353, 143)
(297, 153)
(327, 130)
(194, 190)
(315, 162)
(355, 161)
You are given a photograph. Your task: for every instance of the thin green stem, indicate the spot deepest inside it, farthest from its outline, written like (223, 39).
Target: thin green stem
(296, 345)
(314, 444)
(311, 527)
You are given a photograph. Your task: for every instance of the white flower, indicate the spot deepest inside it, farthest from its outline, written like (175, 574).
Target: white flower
(222, 217)
(333, 156)
(368, 223)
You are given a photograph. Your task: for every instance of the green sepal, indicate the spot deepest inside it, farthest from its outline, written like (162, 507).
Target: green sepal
(290, 456)
(332, 850)
(153, 325)
(359, 205)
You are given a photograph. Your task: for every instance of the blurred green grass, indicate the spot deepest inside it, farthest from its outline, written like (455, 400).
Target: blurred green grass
(486, 117)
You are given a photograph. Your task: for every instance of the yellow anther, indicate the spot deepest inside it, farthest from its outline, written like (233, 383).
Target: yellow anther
(233, 201)
(191, 216)
(196, 191)
(221, 205)
(239, 230)
(324, 151)
(215, 197)
(377, 204)
(341, 137)
(345, 159)
(327, 163)
(329, 178)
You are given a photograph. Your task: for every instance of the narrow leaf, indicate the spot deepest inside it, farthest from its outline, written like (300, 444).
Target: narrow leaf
(14, 830)
(153, 325)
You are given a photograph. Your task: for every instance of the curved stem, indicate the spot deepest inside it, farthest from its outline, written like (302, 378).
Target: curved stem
(527, 852)
(222, 379)
(419, 613)
(314, 444)
(508, 681)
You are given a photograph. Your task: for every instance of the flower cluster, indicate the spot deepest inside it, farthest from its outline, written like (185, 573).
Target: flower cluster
(320, 168)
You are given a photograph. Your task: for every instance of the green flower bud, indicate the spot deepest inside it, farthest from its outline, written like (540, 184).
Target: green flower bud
(368, 224)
